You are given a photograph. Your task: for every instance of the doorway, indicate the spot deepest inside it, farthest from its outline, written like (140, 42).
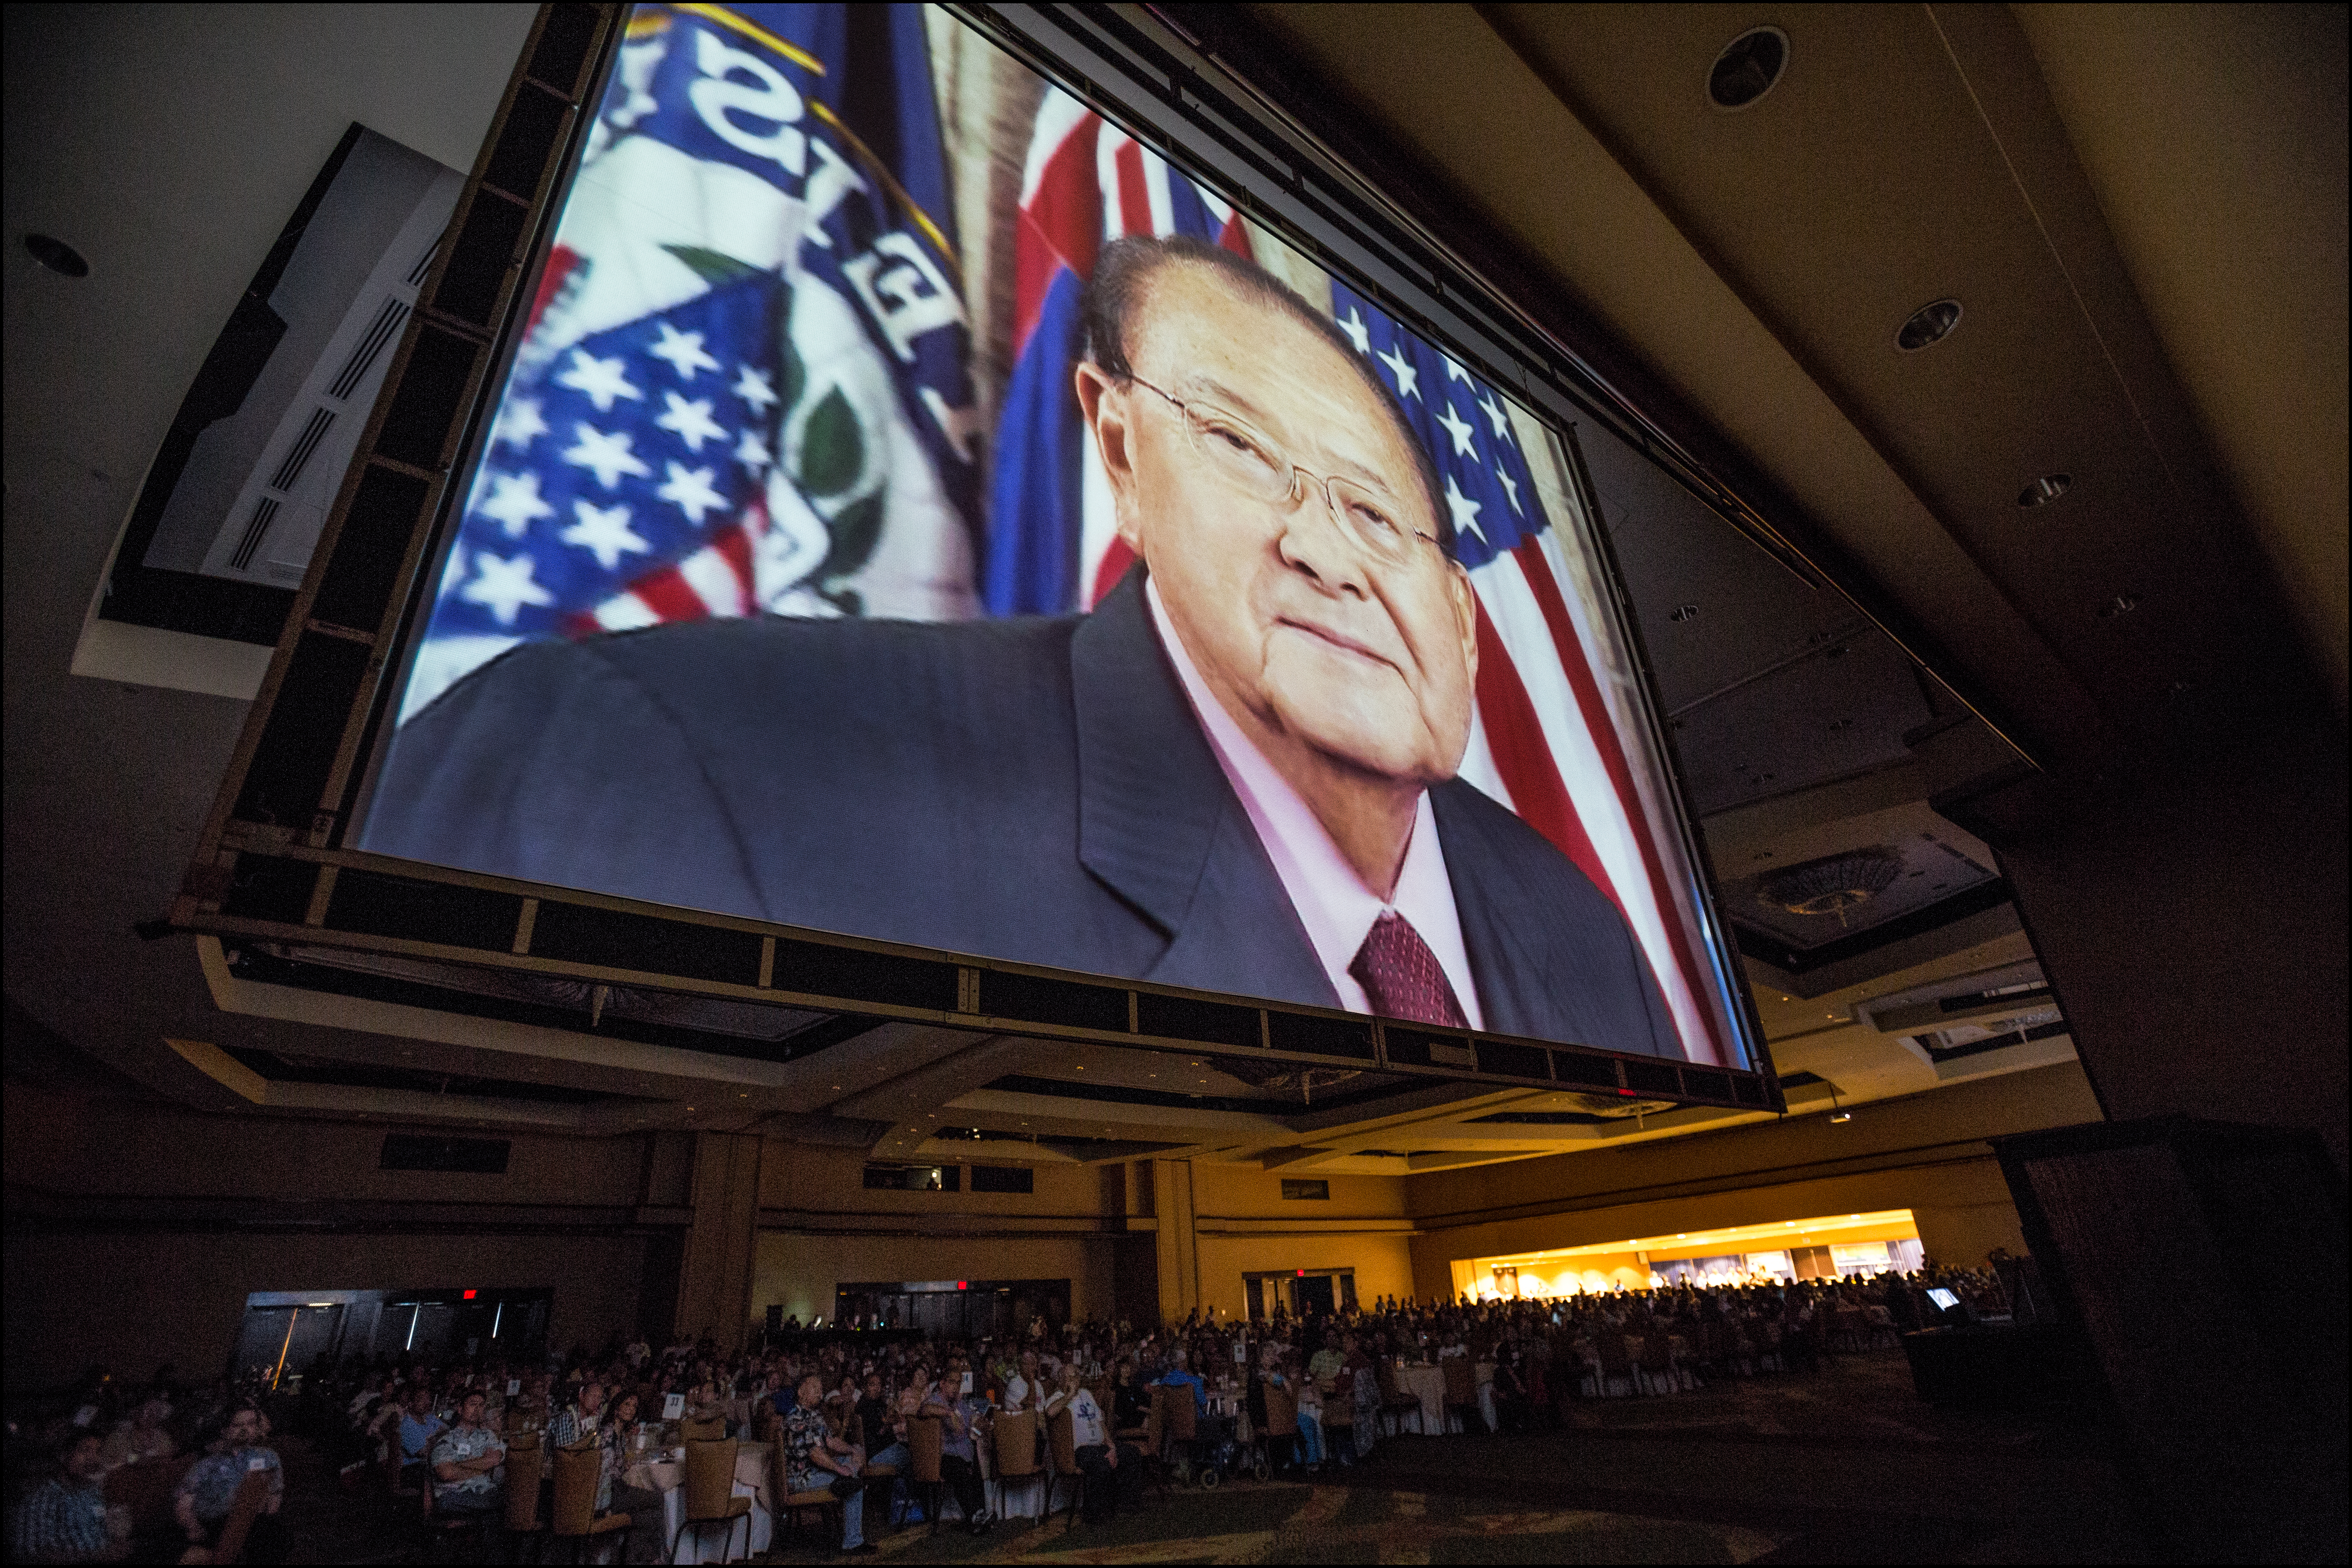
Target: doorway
(1299, 1293)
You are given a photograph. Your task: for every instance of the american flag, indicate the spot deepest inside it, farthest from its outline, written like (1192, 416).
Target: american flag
(1545, 741)
(745, 385)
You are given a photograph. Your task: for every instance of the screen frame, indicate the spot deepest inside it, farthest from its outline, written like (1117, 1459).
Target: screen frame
(354, 674)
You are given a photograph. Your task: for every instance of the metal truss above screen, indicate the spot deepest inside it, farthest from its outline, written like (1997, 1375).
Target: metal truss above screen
(275, 883)
(352, 924)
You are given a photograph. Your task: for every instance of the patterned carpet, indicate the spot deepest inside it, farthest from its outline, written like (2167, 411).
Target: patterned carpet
(1323, 1523)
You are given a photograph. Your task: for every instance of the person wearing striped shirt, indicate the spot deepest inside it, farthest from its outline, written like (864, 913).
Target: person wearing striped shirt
(65, 1519)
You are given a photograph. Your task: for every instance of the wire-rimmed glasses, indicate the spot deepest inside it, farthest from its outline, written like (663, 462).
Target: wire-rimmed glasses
(1246, 459)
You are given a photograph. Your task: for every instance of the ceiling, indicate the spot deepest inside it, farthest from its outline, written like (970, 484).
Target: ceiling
(1756, 265)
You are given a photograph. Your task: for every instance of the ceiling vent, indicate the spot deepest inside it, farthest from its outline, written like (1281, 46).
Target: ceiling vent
(1834, 885)
(1748, 68)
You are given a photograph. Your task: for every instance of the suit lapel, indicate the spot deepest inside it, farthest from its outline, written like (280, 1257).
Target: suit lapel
(1499, 956)
(1160, 825)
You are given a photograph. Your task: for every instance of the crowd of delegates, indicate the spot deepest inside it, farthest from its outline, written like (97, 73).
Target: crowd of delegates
(841, 1402)
(58, 1467)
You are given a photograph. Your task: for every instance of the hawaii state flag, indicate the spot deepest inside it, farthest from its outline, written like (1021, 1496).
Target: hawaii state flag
(1544, 740)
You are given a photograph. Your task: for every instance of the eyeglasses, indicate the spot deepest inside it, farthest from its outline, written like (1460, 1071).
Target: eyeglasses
(1238, 453)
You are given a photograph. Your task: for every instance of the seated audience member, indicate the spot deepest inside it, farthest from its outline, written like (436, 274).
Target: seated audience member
(1113, 1471)
(875, 1427)
(418, 1426)
(577, 1422)
(469, 1467)
(65, 1517)
(961, 1418)
(1310, 1414)
(1129, 1404)
(207, 1491)
(1178, 1376)
(1364, 1386)
(141, 1435)
(1023, 1390)
(615, 1455)
(815, 1459)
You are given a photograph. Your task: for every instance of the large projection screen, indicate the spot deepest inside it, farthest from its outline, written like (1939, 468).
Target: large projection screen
(917, 508)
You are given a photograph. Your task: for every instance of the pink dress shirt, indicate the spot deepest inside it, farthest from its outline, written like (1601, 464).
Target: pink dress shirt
(1331, 900)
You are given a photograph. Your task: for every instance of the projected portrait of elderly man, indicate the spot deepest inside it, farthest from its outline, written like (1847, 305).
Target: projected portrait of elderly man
(1238, 773)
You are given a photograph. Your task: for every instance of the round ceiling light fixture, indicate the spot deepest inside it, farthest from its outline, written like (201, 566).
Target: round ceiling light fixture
(2044, 490)
(1749, 68)
(1928, 325)
(1831, 885)
(56, 255)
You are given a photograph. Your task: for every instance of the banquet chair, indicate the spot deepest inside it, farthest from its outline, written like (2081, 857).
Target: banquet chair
(1339, 1430)
(1656, 1364)
(710, 1494)
(709, 1431)
(924, 1440)
(524, 1462)
(1015, 1442)
(1179, 1421)
(143, 1490)
(242, 1509)
(574, 1517)
(819, 1499)
(1062, 1465)
(1281, 1420)
(439, 1527)
(1616, 1365)
(1461, 1391)
(1395, 1402)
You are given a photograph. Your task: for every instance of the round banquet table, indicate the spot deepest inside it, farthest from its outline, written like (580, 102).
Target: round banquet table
(1426, 1383)
(666, 1473)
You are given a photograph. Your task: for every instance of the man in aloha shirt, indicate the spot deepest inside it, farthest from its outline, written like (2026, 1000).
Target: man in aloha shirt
(208, 1489)
(65, 1519)
(469, 1467)
(815, 1458)
(577, 1422)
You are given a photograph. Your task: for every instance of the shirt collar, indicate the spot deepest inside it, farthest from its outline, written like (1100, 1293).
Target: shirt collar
(1331, 900)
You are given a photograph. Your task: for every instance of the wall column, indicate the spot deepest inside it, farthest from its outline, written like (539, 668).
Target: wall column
(1176, 1247)
(714, 1283)
(2194, 929)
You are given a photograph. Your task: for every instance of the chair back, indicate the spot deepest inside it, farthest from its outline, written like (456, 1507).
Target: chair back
(1461, 1380)
(242, 1509)
(1281, 1412)
(1062, 1443)
(1615, 1361)
(709, 1431)
(523, 1461)
(576, 1470)
(1178, 1412)
(1155, 1429)
(1016, 1445)
(709, 1478)
(144, 1489)
(924, 1437)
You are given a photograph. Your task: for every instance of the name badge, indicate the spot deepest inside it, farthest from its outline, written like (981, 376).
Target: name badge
(256, 1462)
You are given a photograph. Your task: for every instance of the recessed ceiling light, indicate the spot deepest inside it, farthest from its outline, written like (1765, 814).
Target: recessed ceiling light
(2121, 604)
(1749, 68)
(56, 255)
(1928, 325)
(2045, 490)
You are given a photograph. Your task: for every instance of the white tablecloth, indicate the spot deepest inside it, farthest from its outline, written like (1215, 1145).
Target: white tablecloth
(713, 1542)
(1427, 1383)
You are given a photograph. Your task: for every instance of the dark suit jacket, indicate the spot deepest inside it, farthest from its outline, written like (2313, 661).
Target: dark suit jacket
(1036, 790)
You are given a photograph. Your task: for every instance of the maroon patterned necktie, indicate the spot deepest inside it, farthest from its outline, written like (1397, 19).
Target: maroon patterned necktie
(1401, 976)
